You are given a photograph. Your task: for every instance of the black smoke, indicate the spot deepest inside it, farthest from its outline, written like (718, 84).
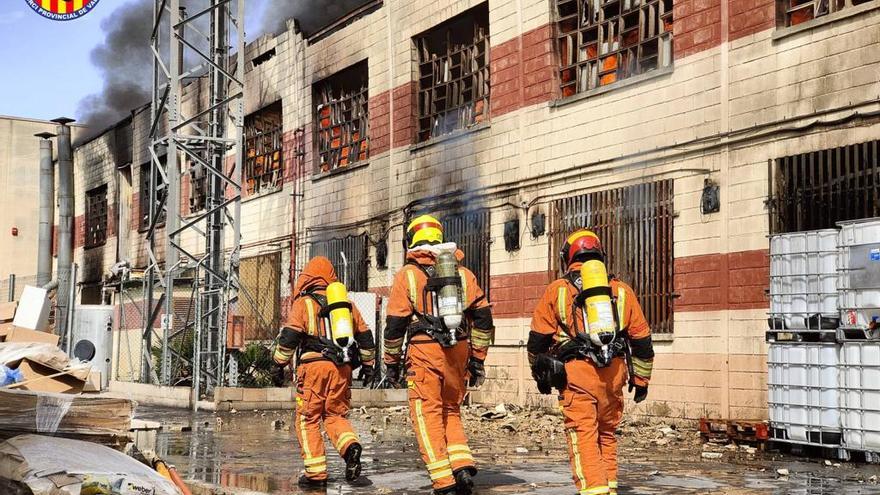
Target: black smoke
(311, 15)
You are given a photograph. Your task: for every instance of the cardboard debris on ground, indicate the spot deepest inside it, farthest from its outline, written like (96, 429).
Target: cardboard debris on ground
(98, 419)
(5, 329)
(45, 367)
(7, 311)
(93, 382)
(60, 466)
(18, 334)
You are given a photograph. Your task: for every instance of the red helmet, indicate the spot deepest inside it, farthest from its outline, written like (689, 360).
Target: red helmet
(581, 242)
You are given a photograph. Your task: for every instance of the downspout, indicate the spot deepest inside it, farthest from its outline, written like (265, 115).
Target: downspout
(65, 224)
(47, 210)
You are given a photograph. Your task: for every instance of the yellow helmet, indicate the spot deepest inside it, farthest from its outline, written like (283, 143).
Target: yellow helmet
(424, 229)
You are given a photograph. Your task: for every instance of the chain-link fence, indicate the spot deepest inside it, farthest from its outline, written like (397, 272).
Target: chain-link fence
(12, 286)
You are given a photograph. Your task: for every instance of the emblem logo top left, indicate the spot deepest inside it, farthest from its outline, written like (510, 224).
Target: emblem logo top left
(62, 10)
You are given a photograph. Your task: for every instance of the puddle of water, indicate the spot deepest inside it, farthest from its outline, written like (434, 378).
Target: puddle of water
(245, 451)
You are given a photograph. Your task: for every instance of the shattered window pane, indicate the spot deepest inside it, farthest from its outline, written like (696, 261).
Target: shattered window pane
(146, 185)
(342, 117)
(601, 42)
(454, 74)
(264, 154)
(96, 217)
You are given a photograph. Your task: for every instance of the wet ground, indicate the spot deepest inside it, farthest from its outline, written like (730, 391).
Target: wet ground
(518, 453)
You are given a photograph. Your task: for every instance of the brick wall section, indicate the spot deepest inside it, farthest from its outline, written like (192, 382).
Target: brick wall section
(716, 282)
(405, 114)
(380, 127)
(522, 71)
(697, 26)
(750, 17)
(515, 296)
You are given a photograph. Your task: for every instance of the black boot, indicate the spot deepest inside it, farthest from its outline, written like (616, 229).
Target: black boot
(353, 462)
(306, 482)
(464, 482)
(449, 490)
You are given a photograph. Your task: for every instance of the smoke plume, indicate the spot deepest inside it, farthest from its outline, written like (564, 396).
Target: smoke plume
(311, 15)
(124, 62)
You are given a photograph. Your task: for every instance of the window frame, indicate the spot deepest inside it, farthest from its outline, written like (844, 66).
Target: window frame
(144, 186)
(96, 194)
(258, 140)
(833, 10)
(332, 93)
(581, 71)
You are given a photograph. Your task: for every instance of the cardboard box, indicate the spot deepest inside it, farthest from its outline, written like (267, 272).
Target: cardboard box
(33, 373)
(5, 329)
(93, 382)
(24, 335)
(7, 311)
(33, 309)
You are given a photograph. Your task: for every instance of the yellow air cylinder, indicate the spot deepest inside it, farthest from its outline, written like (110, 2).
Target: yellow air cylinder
(341, 326)
(599, 310)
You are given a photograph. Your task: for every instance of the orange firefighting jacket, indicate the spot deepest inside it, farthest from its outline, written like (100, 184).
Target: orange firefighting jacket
(407, 300)
(303, 320)
(553, 323)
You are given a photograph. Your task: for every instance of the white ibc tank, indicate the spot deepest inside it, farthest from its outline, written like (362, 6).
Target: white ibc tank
(860, 366)
(803, 280)
(859, 243)
(804, 395)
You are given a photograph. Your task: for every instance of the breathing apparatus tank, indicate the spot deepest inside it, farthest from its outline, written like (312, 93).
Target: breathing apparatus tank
(449, 305)
(598, 310)
(341, 325)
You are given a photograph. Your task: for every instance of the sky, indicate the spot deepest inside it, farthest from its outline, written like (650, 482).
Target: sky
(46, 64)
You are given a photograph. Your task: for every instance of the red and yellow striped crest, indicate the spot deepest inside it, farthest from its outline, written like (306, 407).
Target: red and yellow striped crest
(62, 10)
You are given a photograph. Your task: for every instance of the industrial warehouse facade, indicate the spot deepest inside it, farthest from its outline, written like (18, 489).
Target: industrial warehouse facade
(683, 131)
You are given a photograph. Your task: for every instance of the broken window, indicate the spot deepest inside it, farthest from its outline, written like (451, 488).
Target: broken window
(259, 296)
(470, 232)
(342, 116)
(635, 226)
(146, 186)
(198, 187)
(602, 42)
(264, 157)
(816, 190)
(96, 217)
(454, 74)
(794, 12)
(350, 259)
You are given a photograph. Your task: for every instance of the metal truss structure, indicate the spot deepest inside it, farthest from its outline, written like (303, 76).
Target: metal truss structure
(191, 347)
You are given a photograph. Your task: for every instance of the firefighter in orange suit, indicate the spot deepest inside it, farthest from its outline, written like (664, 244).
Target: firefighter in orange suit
(332, 339)
(589, 338)
(442, 313)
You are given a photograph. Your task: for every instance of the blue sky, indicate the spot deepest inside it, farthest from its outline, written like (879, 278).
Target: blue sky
(48, 63)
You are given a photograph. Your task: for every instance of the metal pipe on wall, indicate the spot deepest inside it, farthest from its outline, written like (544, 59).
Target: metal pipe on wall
(47, 210)
(65, 224)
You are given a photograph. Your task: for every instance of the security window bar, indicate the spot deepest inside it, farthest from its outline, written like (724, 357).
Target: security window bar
(342, 118)
(350, 259)
(144, 195)
(96, 217)
(259, 298)
(601, 42)
(635, 226)
(816, 190)
(794, 12)
(470, 232)
(454, 74)
(264, 157)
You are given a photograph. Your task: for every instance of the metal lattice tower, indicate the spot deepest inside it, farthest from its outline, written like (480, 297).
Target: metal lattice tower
(208, 281)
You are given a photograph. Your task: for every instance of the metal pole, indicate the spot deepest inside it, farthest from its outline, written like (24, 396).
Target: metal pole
(197, 341)
(11, 287)
(65, 223)
(47, 210)
(72, 298)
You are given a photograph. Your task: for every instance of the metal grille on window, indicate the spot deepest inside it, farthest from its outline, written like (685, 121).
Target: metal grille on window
(601, 42)
(259, 297)
(816, 190)
(635, 226)
(349, 256)
(342, 115)
(264, 157)
(144, 195)
(470, 232)
(96, 217)
(454, 74)
(798, 11)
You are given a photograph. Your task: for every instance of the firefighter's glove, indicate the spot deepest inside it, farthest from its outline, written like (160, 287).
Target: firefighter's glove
(641, 393)
(477, 372)
(366, 375)
(277, 374)
(549, 372)
(392, 374)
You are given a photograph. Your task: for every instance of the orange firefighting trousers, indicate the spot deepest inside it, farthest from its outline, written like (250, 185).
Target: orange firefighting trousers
(323, 393)
(592, 405)
(436, 379)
